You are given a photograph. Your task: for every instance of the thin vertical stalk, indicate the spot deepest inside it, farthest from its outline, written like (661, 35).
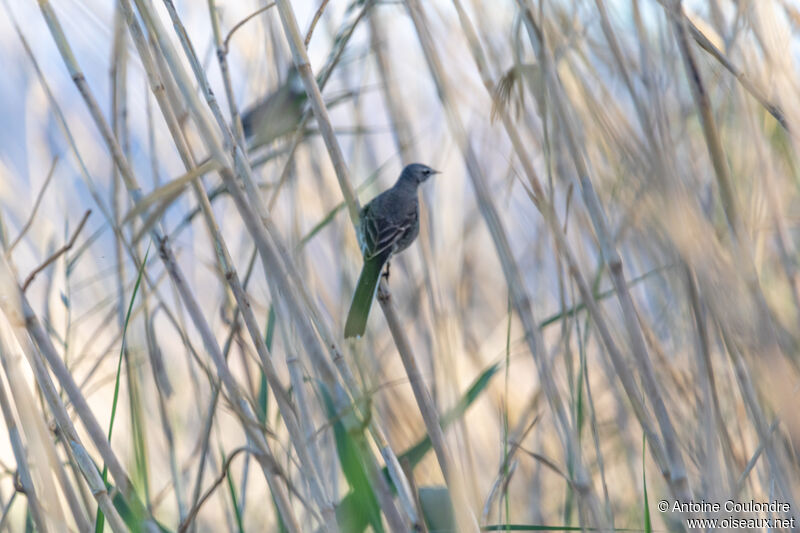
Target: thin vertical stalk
(20, 315)
(86, 176)
(519, 296)
(18, 448)
(757, 416)
(712, 416)
(727, 193)
(222, 59)
(741, 244)
(548, 212)
(41, 448)
(403, 141)
(266, 459)
(226, 264)
(273, 253)
(677, 470)
(318, 106)
(430, 416)
(545, 204)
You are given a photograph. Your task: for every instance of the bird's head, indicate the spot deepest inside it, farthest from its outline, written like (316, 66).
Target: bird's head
(417, 173)
(295, 82)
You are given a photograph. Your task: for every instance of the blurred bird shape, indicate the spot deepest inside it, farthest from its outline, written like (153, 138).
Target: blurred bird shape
(276, 115)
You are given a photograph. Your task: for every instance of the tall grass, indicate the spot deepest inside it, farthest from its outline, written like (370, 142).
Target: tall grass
(608, 255)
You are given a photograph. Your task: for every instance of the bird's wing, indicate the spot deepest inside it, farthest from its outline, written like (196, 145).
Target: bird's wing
(381, 234)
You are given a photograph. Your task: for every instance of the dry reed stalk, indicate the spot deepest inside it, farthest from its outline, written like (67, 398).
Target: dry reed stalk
(87, 178)
(774, 454)
(562, 246)
(177, 321)
(665, 179)
(518, 295)
(249, 318)
(318, 106)
(20, 455)
(643, 145)
(230, 275)
(712, 413)
(741, 245)
(268, 464)
(428, 410)
(262, 229)
(21, 317)
(327, 508)
(405, 147)
(42, 446)
(676, 475)
(31, 422)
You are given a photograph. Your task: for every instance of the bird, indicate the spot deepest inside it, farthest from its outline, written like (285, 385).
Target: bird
(280, 113)
(276, 115)
(388, 224)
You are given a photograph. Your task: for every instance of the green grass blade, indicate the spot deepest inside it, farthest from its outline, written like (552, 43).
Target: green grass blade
(327, 219)
(598, 296)
(263, 391)
(506, 504)
(100, 519)
(648, 526)
(360, 507)
(437, 509)
(234, 500)
(534, 527)
(416, 453)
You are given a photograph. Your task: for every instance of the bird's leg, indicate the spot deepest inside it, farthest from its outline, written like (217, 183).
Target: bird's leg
(385, 274)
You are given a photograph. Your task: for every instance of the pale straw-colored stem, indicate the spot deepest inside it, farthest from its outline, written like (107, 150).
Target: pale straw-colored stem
(518, 294)
(18, 448)
(241, 407)
(21, 317)
(424, 401)
(677, 476)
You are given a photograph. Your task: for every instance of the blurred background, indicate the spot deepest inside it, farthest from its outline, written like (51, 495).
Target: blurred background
(601, 310)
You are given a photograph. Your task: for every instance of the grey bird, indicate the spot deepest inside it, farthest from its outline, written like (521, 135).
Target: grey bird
(387, 225)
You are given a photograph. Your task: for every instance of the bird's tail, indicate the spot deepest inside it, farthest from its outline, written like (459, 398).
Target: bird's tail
(356, 322)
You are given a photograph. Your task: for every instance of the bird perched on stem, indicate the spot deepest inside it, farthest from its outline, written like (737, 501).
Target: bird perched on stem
(387, 225)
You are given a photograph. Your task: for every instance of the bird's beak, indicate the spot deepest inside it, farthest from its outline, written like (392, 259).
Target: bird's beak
(436, 171)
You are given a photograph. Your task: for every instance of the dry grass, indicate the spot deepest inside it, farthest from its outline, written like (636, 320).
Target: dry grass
(600, 313)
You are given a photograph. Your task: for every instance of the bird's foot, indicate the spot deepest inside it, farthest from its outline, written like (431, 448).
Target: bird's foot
(385, 274)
